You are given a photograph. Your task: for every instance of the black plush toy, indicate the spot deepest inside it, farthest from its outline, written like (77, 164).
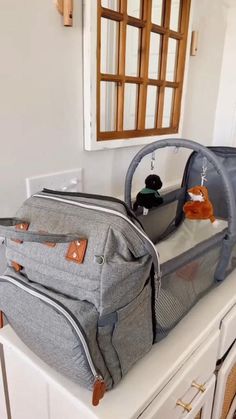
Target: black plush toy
(149, 196)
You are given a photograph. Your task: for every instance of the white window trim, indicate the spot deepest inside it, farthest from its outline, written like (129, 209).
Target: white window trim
(90, 87)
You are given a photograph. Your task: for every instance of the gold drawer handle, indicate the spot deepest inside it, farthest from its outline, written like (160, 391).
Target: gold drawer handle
(185, 406)
(200, 387)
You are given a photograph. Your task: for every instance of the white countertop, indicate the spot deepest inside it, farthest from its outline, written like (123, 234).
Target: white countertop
(148, 377)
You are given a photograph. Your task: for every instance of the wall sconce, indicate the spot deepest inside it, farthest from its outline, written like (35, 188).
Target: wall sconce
(194, 43)
(65, 8)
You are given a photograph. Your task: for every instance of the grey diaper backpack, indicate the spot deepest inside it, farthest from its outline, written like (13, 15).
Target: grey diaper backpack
(78, 287)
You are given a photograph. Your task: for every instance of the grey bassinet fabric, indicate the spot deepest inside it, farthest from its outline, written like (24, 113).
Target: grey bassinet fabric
(189, 234)
(182, 289)
(194, 256)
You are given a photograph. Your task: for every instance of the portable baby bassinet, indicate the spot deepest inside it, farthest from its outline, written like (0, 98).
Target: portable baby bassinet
(195, 255)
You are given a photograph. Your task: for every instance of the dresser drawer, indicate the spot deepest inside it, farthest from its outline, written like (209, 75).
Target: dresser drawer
(227, 331)
(183, 388)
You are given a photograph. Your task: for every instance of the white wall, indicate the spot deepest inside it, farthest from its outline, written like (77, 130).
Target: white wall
(41, 103)
(41, 99)
(209, 18)
(225, 123)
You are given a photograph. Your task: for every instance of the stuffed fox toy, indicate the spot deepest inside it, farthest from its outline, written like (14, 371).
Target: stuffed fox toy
(199, 207)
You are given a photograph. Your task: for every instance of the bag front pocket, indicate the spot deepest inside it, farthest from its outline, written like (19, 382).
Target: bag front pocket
(133, 333)
(54, 326)
(129, 337)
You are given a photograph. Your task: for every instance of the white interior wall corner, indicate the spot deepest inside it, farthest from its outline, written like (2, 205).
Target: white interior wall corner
(205, 71)
(225, 119)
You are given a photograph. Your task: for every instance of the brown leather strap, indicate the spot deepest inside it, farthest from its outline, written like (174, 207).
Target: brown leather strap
(76, 251)
(16, 266)
(21, 227)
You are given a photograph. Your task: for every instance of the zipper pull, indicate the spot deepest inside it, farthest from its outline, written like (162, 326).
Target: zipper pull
(99, 389)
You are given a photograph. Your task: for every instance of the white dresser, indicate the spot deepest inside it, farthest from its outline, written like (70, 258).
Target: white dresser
(176, 379)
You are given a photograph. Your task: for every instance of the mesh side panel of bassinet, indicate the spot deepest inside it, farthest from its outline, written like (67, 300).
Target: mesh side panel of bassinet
(182, 288)
(230, 392)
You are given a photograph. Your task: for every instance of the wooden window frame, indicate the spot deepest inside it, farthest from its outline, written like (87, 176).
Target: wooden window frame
(96, 140)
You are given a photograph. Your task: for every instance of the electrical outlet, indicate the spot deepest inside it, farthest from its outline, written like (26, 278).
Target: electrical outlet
(69, 180)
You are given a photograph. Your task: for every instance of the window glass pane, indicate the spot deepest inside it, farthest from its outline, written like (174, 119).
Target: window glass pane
(154, 56)
(132, 51)
(175, 15)
(157, 12)
(130, 106)
(171, 59)
(109, 46)
(168, 105)
(108, 106)
(111, 4)
(151, 108)
(134, 8)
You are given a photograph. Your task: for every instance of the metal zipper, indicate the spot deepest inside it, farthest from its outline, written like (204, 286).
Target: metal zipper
(113, 212)
(65, 312)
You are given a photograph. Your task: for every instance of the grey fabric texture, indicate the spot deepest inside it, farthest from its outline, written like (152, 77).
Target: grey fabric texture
(49, 334)
(126, 257)
(125, 348)
(190, 255)
(181, 289)
(158, 219)
(117, 289)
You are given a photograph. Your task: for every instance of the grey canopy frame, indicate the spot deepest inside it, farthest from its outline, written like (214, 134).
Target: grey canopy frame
(230, 238)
